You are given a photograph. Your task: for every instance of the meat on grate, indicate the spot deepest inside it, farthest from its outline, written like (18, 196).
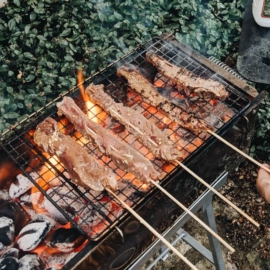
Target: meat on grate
(163, 147)
(150, 95)
(82, 167)
(191, 83)
(124, 156)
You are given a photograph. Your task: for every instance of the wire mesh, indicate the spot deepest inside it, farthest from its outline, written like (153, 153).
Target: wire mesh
(94, 213)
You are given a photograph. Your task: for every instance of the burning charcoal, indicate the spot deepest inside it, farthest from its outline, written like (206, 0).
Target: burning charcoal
(32, 234)
(7, 233)
(90, 217)
(4, 195)
(15, 212)
(31, 262)
(32, 198)
(65, 240)
(23, 185)
(65, 199)
(12, 252)
(127, 190)
(56, 259)
(9, 263)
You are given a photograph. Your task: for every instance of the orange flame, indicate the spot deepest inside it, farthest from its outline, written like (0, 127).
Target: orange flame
(92, 110)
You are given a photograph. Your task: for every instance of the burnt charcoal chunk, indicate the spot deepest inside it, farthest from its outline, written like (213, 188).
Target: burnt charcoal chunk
(15, 212)
(17, 189)
(12, 252)
(7, 232)
(31, 262)
(32, 234)
(65, 240)
(9, 263)
(4, 195)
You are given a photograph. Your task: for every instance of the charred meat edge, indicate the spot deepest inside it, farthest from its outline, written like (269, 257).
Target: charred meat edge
(191, 83)
(82, 167)
(150, 95)
(163, 149)
(123, 155)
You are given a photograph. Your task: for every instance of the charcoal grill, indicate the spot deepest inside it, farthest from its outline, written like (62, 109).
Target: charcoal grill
(236, 128)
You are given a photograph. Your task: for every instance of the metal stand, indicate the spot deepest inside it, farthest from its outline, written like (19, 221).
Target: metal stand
(203, 203)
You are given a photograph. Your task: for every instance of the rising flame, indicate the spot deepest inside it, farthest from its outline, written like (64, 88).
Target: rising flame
(92, 110)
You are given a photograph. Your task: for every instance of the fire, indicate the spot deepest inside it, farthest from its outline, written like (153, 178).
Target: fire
(47, 174)
(92, 109)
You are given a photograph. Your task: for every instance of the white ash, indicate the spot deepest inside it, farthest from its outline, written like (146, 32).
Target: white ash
(92, 194)
(4, 196)
(65, 199)
(32, 234)
(35, 198)
(90, 217)
(23, 185)
(41, 217)
(56, 258)
(31, 262)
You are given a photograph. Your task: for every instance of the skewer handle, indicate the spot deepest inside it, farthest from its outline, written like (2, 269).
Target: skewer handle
(193, 216)
(218, 194)
(150, 228)
(239, 151)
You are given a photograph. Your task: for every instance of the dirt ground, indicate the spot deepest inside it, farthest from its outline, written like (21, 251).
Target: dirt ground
(252, 244)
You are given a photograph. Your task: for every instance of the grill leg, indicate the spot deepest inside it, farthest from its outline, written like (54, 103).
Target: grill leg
(209, 219)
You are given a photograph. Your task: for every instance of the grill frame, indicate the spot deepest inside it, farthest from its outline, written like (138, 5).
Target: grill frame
(50, 109)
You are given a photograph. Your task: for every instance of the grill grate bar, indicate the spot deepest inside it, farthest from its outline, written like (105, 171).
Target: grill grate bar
(99, 209)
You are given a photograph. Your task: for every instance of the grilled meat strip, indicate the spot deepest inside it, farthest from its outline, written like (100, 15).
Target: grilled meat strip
(163, 149)
(83, 169)
(190, 82)
(123, 155)
(150, 95)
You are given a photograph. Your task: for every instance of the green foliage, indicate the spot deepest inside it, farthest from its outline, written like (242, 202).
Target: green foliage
(261, 141)
(44, 43)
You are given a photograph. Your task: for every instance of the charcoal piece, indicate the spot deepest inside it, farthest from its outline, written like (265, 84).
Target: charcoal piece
(90, 217)
(31, 262)
(4, 195)
(17, 189)
(54, 258)
(32, 234)
(15, 212)
(9, 263)
(65, 240)
(7, 233)
(65, 199)
(12, 252)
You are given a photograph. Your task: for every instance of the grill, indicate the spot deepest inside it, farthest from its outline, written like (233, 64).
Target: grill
(97, 213)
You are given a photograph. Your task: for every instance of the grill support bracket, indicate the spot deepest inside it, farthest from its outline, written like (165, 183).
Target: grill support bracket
(203, 203)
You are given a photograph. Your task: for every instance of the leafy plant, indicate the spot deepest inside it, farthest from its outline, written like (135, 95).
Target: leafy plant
(44, 43)
(261, 141)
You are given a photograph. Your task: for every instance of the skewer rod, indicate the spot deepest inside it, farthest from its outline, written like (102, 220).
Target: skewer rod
(194, 216)
(150, 228)
(218, 194)
(239, 151)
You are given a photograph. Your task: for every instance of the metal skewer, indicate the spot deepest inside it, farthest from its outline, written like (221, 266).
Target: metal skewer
(194, 216)
(239, 151)
(150, 228)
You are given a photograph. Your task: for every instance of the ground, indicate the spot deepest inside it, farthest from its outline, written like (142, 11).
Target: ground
(252, 244)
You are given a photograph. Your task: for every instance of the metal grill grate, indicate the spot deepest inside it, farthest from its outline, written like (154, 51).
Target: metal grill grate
(95, 213)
